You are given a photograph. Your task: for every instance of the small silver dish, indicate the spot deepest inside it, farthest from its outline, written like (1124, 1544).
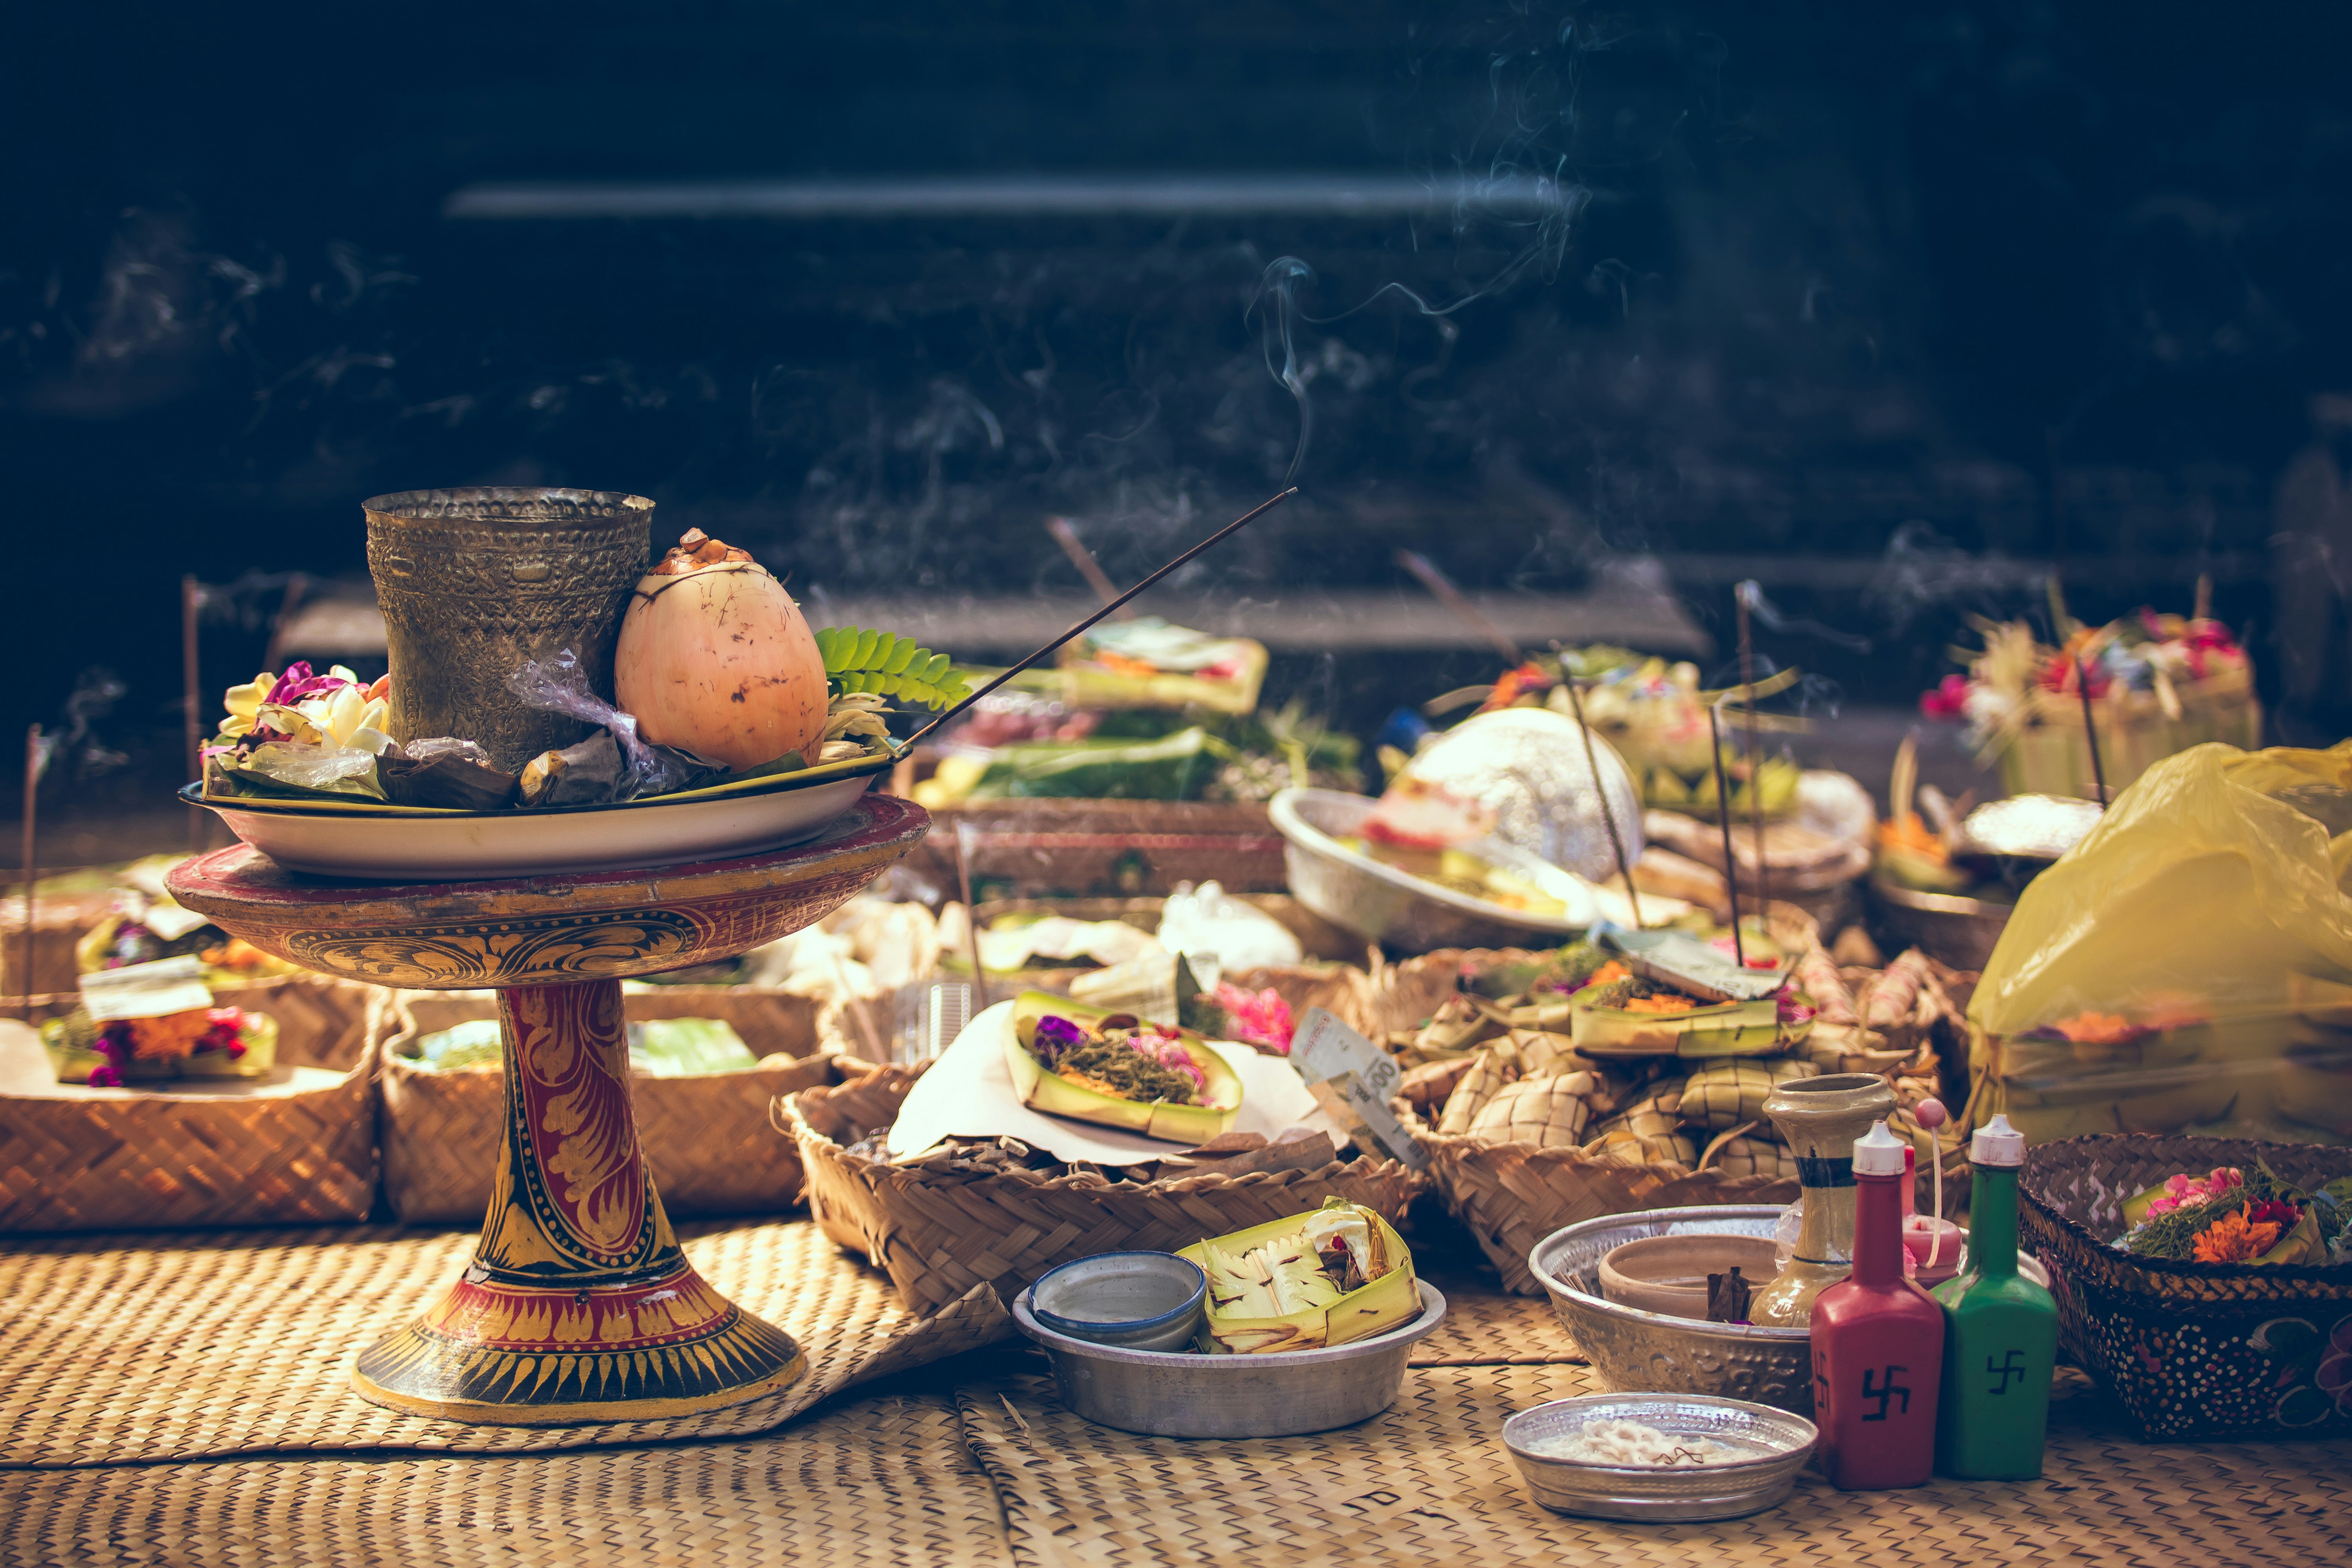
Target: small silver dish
(1165, 1395)
(1134, 1300)
(1768, 1448)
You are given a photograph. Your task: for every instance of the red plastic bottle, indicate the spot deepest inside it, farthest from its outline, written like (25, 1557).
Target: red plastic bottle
(1878, 1342)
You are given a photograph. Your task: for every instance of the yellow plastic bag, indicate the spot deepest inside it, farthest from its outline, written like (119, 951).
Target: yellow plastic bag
(2187, 966)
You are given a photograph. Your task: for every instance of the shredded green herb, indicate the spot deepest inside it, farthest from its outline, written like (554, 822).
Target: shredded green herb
(1634, 988)
(1135, 1075)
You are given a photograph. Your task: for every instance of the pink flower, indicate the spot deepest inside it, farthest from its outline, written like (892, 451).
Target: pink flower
(1263, 1019)
(1172, 1055)
(2182, 1190)
(1949, 700)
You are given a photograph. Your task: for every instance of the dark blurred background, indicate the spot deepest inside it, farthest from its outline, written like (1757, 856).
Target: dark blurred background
(1894, 309)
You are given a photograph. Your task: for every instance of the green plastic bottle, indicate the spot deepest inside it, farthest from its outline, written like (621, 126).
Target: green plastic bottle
(2000, 1333)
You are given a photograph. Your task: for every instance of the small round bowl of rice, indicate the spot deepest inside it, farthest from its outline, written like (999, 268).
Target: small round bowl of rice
(1662, 1459)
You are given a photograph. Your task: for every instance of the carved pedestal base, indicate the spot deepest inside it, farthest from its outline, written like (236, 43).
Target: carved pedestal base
(578, 1305)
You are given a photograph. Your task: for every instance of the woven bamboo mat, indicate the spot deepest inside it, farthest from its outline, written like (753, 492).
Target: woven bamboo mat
(879, 1481)
(120, 1349)
(1485, 1327)
(1429, 1481)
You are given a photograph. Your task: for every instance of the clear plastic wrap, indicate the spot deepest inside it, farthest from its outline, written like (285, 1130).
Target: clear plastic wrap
(560, 685)
(2187, 966)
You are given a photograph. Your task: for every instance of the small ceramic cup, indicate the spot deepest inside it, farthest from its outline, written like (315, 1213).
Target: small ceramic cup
(1135, 1300)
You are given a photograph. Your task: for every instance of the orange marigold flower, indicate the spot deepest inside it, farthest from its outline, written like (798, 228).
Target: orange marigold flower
(170, 1038)
(2235, 1239)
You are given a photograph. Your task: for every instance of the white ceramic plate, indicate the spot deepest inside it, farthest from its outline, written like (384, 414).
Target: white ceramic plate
(358, 840)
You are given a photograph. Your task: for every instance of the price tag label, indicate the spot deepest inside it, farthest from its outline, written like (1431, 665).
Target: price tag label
(1353, 1079)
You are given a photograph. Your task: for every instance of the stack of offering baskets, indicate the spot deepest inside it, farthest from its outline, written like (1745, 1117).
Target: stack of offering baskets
(1628, 1074)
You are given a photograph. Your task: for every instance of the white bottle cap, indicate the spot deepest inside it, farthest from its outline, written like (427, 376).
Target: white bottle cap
(1879, 1152)
(1997, 1143)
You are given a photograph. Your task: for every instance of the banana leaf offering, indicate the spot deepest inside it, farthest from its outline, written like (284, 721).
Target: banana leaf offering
(1686, 998)
(1116, 1069)
(1330, 1276)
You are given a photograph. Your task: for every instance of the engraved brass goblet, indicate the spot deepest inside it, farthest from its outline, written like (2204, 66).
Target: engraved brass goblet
(474, 582)
(579, 1305)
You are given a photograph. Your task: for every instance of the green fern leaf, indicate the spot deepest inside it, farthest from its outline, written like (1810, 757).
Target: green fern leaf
(888, 665)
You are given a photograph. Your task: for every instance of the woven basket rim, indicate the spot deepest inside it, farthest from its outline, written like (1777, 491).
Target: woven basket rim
(1207, 1181)
(2188, 1268)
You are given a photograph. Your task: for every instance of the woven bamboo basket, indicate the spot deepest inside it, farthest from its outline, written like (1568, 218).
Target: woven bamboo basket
(1511, 1195)
(707, 1137)
(939, 1231)
(1102, 848)
(297, 1152)
(59, 919)
(2191, 1349)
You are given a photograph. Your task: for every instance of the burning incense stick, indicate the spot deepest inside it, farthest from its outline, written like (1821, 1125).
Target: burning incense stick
(1723, 815)
(1082, 559)
(32, 802)
(1442, 589)
(2091, 730)
(192, 601)
(970, 918)
(1233, 527)
(1755, 749)
(1608, 812)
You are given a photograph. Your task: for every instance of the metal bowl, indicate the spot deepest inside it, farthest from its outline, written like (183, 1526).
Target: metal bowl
(1383, 904)
(1637, 1350)
(1771, 1446)
(1134, 1300)
(1953, 929)
(1275, 1395)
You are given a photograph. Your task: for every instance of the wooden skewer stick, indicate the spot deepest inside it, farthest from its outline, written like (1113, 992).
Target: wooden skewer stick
(857, 1006)
(1723, 815)
(1442, 587)
(1233, 527)
(32, 805)
(1082, 559)
(2091, 730)
(1600, 788)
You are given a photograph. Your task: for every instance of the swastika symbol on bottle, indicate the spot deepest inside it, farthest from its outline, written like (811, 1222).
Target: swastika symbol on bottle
(2010, 1366)
(1888, 1391)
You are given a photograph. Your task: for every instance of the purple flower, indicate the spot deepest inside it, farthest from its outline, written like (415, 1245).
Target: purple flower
(298, 682)
(105, 1077)
(1055, 1035)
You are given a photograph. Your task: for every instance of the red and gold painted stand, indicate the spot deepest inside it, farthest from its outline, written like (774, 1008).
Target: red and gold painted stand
(579, 1304)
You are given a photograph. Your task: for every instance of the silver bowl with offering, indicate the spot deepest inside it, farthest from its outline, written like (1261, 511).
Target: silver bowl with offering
(1276, 1394)
(1531, 768)
(1660, 1458)
(1386, 904)
(1633, 1350)
(367, 840)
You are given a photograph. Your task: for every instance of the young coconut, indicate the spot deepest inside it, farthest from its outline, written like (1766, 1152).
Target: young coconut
(716, 660)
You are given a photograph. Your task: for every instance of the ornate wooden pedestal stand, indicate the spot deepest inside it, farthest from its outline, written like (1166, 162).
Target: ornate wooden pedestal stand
(579, 1305)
